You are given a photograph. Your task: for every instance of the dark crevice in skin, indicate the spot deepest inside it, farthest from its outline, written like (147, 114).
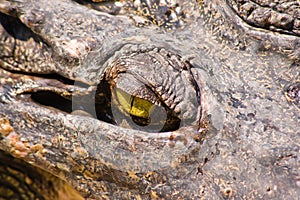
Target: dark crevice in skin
(52, 76)
(53, 100)
(86, 2)
(104, 6)
(17, 29)
(103, 103)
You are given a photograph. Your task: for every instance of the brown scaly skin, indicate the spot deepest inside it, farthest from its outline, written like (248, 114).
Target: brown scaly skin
(237, 81)
(22, 181)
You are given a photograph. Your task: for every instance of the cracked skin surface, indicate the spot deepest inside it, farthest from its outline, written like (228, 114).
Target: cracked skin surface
(243, 145)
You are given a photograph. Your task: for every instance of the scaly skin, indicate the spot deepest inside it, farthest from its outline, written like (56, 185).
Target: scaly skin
(245, 146)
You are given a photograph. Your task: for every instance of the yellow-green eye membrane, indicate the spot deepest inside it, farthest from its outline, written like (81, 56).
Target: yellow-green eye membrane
(133, 112)
(133, 105)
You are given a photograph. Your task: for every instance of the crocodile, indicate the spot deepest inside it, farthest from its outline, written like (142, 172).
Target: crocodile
(149, 99)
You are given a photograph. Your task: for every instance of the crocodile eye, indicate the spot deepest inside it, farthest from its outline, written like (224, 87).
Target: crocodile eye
(152, 90)
(133, 112)
(133, 105)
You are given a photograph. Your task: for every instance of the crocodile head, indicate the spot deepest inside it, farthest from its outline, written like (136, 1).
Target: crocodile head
(212, 105)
